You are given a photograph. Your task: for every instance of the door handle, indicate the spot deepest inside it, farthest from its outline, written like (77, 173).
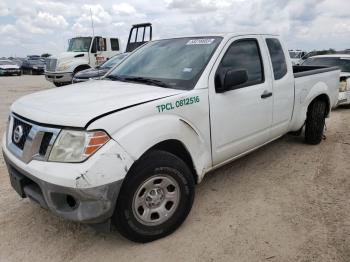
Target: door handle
(266, 94)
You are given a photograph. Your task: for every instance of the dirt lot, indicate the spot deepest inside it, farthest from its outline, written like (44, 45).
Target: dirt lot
(285, 202)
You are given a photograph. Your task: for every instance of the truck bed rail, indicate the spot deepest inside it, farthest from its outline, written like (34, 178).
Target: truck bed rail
(300, 71)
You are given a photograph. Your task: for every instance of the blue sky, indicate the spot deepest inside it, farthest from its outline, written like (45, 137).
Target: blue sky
(40, 26)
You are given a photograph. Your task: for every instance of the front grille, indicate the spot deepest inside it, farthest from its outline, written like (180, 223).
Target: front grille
(51, 64)
(28, 140)
(26, 129)
(45, 143)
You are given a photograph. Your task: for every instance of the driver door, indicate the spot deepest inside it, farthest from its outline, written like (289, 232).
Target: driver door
(241, 118)
(98, 50)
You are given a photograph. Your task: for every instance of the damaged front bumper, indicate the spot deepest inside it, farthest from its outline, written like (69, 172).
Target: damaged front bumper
(84, 192)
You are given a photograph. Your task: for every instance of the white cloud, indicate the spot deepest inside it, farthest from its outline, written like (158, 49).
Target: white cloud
(4, 11)
(124, 9)
(50, 21)
(45, 25)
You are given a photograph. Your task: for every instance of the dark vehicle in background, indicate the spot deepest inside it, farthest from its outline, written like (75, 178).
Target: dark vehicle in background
(17, 60)
(33, 65)
(7, 67)
(100, 70)
(339, 60)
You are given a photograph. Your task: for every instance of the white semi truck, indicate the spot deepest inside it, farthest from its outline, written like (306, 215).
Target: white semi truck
(129, 149)
(82, 53)
(88, 52)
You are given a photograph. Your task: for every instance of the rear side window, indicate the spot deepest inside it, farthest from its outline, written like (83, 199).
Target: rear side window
(115, 44)
(243, 55)
(278, 59)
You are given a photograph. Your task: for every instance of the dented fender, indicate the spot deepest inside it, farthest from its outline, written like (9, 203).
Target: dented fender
(140, 136)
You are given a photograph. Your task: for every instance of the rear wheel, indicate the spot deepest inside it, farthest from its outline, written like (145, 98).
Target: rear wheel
(315, 122)
(155, 198)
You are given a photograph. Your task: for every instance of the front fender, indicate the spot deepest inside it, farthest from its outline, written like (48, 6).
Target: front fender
(138, 137)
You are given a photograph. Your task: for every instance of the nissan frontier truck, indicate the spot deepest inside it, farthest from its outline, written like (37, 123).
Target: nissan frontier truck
(129, 149)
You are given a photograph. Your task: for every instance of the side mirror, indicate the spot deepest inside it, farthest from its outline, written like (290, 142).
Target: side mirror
(232, 79)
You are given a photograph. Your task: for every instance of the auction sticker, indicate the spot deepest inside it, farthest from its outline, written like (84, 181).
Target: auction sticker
(204, 41)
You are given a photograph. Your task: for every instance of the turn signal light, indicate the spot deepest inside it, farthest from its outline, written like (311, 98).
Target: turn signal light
(97, 140)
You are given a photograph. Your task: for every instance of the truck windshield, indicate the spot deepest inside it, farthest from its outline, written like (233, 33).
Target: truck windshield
(79, 44)
(342, 63)
(174, 63)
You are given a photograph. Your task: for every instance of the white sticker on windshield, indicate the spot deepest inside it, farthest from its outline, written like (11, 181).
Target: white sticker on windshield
(187, 69)
(204, 41)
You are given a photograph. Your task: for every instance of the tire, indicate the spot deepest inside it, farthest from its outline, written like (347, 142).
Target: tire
(315, 122)
(57, 84)
(156, 170)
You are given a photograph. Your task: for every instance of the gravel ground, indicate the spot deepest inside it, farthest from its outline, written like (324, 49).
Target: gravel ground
(285, 202)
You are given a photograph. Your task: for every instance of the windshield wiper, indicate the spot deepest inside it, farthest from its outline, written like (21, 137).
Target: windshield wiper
(147, 81)
(115, 78)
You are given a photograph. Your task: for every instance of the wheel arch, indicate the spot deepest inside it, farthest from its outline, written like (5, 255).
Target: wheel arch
(178, 149)
(80, 68)
(322, 97)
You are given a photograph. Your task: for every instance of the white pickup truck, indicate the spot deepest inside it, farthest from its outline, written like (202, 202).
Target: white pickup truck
(129, 149)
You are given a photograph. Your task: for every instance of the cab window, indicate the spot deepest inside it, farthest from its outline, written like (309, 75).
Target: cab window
(278, 58)
(115, 44)
(242, 55)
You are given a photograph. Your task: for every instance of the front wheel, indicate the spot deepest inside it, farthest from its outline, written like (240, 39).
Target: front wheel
(155, 198)
(315, 122)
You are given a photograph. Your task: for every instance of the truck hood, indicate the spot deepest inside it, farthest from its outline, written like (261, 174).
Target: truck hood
(75, 105)
(68, 56)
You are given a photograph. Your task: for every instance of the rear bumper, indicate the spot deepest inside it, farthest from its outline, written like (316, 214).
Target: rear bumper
(62, 77)
(344, 98)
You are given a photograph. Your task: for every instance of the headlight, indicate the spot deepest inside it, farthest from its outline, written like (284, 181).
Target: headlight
(76, 146)
(343, 86)
(63, 67)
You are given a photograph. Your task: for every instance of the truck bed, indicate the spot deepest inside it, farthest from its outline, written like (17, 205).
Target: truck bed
(300, 71)
(311, 81)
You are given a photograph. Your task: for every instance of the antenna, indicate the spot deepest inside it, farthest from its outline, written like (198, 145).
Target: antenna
(92, 24)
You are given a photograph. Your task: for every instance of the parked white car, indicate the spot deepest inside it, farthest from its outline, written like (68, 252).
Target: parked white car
(129, 149)
(296, 56)
(343, 62)
(8, 67)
